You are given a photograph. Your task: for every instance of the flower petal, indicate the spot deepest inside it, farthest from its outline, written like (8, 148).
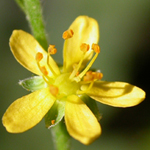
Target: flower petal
(85, 30)
(80, 121)
(91, 103)
(119, 94)
(24, 48)
(27, 111)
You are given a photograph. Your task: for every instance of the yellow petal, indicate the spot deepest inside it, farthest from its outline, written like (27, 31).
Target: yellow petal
(24, 48)
(26, 112)
(85, 30)
(119, 94)
(80, 121)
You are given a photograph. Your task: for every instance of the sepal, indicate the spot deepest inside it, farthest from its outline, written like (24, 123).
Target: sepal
(33, 83)
(55, 114)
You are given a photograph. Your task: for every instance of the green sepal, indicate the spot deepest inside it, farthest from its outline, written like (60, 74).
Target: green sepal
(33, 83)
(92, 105)
(55, 114)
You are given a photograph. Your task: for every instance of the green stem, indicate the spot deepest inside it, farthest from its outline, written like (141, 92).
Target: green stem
(60, 136)
(33, 11)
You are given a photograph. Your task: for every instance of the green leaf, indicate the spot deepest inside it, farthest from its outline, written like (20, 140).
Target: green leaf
(33, 83)
(55, 114)
(92, 105)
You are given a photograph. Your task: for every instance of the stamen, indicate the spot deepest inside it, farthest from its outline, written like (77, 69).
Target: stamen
(43, 70)
(90, 86)
(92, 76)
(52, 50)
(53, 90)
(52, 122)
(89, 76)
(88, 66)
(96, 48)
(84, 47)
(47, 79)
(39, 57)
(67, 34)
(98, 75)
(77, 73)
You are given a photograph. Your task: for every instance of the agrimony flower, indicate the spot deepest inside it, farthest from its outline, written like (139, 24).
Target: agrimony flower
(59, 92)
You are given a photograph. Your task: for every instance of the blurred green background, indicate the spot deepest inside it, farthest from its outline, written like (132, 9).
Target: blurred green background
(125, 56)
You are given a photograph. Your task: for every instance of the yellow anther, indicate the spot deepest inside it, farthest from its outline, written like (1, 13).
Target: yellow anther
(96, 48)
(52, 122)
(44, 71)
(67, 34)
(52, 50)
(53, 90)
(38, 56)
(84, 47)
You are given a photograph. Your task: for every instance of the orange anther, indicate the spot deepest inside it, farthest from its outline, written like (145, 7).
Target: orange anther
(77, 73)
(84, 47)
(38, 56)
(52, 50)
(67, 34)
(98, 75)
(53, 90)
(96, 48)
(89, 73)
(44, 71)
(89, 76)
(52, 122)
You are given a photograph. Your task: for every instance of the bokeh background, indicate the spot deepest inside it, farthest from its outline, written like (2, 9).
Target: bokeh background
(125, 56)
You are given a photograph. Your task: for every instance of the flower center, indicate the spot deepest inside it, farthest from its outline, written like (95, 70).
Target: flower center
(66, 86)
(60, 85)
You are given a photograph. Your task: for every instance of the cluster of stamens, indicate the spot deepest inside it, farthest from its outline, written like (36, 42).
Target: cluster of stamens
(85, 75)
(91, 76)
(39, 56)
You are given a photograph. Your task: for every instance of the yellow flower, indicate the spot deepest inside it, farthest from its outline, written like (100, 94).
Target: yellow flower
(65, 87)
